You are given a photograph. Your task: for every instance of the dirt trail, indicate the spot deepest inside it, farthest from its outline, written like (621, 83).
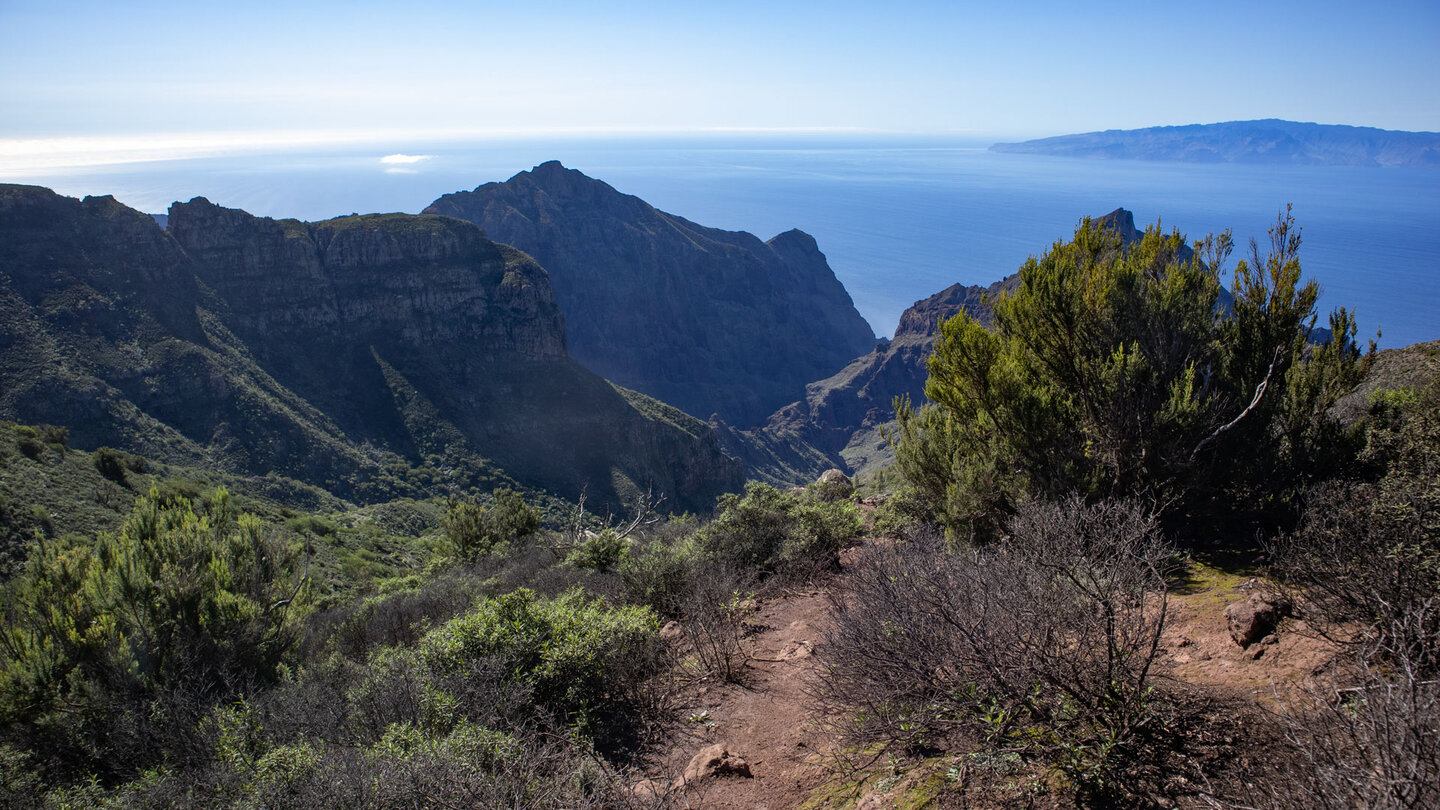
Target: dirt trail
(767, 719)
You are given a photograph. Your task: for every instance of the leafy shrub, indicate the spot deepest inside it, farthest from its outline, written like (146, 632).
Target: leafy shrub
(110, 463)
(1044, 645)
(1365, 561)
(770, 531)
(1365, 566)
(180, 608)
(579, 659)
(600, 551)
(314, 524)
(475, 530)
(1112, 372)
(28, 442)
(55, 435)
(657, 573)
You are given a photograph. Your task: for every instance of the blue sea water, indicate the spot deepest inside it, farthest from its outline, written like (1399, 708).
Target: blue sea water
(898, 219)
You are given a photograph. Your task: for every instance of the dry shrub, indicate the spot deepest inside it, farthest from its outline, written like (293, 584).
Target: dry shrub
(717, 598)
(1044, 643)
(1369, 738)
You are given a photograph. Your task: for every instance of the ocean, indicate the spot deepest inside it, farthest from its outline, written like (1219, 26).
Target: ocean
(899, 218)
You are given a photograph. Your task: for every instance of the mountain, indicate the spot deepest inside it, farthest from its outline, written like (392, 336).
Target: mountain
(372, 356)
(710, 321)
(1265, 141)
(838, 423)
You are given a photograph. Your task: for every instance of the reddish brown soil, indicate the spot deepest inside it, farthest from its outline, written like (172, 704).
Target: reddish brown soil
(765, 719)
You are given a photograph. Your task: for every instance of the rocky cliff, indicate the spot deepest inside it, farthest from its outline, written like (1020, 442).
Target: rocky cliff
(374, 356)
(710, 321)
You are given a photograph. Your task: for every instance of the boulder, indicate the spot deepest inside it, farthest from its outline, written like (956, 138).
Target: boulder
(1256, 617)
(834, 485)
(715, 760)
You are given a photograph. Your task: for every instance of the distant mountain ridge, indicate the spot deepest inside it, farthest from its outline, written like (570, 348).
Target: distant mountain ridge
(710, 321)
(373, 356)
(1268, 141)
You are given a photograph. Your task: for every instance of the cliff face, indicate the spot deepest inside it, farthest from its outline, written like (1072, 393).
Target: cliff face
(374, 356)
(707, 320)
(838, 422)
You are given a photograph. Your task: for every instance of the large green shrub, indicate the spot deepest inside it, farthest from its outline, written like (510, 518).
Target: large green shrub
(578, 658)
(185, 604)
(1113, 371)
(476, 530)
(772, 531)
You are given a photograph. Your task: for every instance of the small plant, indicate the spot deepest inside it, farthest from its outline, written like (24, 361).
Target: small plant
(477, 531)
(599, 552)
(110, 463)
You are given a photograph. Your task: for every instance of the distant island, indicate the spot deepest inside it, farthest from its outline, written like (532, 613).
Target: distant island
(1269, 141)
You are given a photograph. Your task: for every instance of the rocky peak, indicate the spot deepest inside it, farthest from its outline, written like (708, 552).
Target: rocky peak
(708, 320)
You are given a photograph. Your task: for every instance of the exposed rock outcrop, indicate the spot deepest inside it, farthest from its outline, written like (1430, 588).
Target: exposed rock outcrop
(710, 321)
(1256, 617)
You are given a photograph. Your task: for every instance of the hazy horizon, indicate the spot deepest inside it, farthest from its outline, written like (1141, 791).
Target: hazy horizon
(92, 83)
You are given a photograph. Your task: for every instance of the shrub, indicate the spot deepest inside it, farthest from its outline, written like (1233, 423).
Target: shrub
(110, 463)
(55, 435)
(475, 530)
(1366, 740)
(28, 442)
(1365, 561)
(107, 643)
(1365, 566)
(579, 659)
(599, 551)
(657, 573)
(716, 601)
(1044, 645)
(1112, 372)
(772, 532)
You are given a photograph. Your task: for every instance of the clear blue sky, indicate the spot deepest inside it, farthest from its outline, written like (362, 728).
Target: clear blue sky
(993, 69)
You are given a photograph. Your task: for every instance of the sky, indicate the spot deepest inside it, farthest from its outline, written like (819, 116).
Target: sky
(111, 79)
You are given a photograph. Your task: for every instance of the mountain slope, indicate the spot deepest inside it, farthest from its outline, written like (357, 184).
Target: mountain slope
(1263, 141)
(374, 356)
(710, 321)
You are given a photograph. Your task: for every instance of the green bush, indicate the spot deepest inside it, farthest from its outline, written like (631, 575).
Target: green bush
(55, 435)
(579, 659)
(657, 573)
(772, 531)
(27, 441)
(110, 463)
(476, 531)
(186, 603)
(598, 552)
(1111, 371)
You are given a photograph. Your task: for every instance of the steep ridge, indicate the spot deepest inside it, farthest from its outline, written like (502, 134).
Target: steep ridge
(710, 321)
(374, 356)
(838, 423)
